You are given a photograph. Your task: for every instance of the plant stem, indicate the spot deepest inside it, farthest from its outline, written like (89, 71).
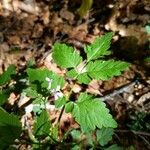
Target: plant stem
(61, 113)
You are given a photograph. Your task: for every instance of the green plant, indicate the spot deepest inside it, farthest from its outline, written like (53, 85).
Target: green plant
(89, 112)
(85, 7)
(139, 121)
(147, 28)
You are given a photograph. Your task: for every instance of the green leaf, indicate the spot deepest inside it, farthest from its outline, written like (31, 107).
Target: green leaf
(91, 113)
(65, 56)
(40, 75)
(31, 93)
(104, 135)
(105, 70)
(10, 128)
(60, 102)
(72, 73)
(84, 78)
(81, 77)
(4, 95)
(99, 48)
(42, 125)
(76, 135)
(147, 59)
(69, 107)
(114, 147)
(147, 29)
(100, 70)
(6, 76)
(76, 147)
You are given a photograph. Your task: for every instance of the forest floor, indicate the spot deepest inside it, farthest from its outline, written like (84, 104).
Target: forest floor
(29, 28)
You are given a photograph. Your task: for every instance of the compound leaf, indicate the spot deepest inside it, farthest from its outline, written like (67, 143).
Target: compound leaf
(91, 113)
(60, 102)
(105, 70)
(10, 128)
(81, 77)
(104, 135)
(65, 56)
(40, 75)
(84, 78)
(99, 48)
(42, 125)
(6, 76)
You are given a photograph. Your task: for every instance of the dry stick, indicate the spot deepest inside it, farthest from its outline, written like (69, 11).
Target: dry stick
(146, 141)
(125, 88)
(134, 132)
(139, 133)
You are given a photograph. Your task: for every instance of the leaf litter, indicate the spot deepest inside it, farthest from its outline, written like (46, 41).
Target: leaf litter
(29, 29)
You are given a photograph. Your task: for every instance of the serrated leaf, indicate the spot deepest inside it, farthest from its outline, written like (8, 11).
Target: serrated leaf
(72, 73)
(114, 147)
(10, 128)
(99, 48)
(6, 76)
(31, 93)
(4, 95)
(42, 125)
(91, 113)
(104, 135)
(60, 102)
(82, 77)
(40, 75)
(65, 56)
(105, 70)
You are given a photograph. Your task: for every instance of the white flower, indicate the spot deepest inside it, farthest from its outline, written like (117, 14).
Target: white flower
(58, 88)
(49, 82)
(29, 108)
(50, 107)
(57, 95)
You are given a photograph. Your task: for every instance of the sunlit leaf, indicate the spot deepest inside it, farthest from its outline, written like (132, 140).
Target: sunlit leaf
(6, 76)
(65, 56)
(91, 113)
(99, 48)
(105, 70)
(40, 75)
(42, 125)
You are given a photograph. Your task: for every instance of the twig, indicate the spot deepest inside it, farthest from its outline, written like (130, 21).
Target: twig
(134, 132)
(61, 113)
(146, 141)
(123, 89)
(31, 136)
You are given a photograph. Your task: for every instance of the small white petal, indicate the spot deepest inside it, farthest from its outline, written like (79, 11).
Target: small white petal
(58, 95)
(49, 82)
(29, 108)
(58, 88)
(50, 107)
(53, 90)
